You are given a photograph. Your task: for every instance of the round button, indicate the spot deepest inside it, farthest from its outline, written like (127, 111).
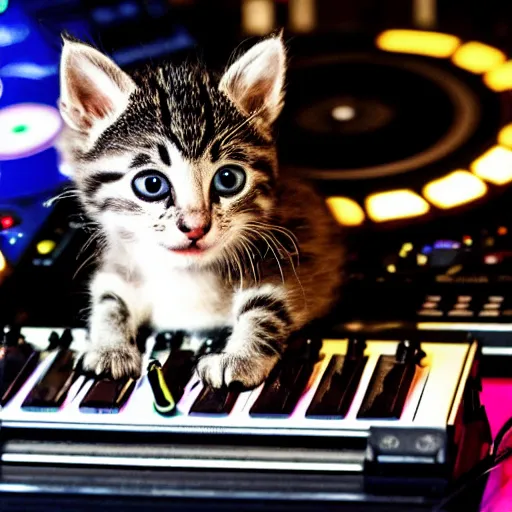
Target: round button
(389, 442)
(45, 247)
(27, 129)
(428, 443)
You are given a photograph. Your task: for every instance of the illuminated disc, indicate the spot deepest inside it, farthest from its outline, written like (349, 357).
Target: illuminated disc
(361, 115)
(27, 129)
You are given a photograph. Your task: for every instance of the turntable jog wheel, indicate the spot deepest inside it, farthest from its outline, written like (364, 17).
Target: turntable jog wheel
(27, 129)
(402, 126)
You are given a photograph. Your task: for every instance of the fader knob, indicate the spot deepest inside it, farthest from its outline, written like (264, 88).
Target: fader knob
(355, 348)
(406, 351)
(53, 341)
(66, 339)
(163, 340)
(11, 336)
(177, 340)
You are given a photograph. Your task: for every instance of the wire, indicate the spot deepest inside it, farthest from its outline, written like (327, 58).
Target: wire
(485, 466)
(500, 436)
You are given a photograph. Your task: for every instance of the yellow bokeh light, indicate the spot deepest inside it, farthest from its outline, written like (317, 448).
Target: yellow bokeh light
(477, 57)
(346, 211)
(45, 247)
(457, 188)
(3, 263)
(405, 250)
(494, 166)
(499, 79)
(395, 204)
(432, 44)
(258, 16)
(421, 259)
(505, 136)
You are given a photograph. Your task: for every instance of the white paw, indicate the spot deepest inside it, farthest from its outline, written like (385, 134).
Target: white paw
(121, 361)
(218, 370)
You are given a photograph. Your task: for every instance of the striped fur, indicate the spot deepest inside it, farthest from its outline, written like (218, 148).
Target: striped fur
(271, 260)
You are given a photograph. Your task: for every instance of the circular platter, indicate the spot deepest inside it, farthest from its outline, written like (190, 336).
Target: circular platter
(27, 129)
(398, 127)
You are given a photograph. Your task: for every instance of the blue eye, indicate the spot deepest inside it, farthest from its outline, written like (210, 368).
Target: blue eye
(151, 186)
(229, 180)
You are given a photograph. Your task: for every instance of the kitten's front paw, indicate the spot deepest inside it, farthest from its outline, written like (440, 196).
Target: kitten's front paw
(117, 362)
(218, 370)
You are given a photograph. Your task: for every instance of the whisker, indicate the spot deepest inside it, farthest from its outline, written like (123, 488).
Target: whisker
(83, 265)
(286, 232)
(269, 228)
(65, 194)
(246, 244)
(275, 256)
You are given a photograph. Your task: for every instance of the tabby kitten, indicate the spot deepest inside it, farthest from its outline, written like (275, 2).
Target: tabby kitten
(178, 168)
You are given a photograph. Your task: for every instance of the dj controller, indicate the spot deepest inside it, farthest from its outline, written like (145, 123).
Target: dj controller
(408, 135)
(332, 408)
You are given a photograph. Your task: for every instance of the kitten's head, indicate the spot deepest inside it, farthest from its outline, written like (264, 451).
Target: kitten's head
(174, 158)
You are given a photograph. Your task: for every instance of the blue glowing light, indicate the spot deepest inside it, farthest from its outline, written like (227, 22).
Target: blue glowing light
(13, 34)
(446, 244)
(28, 70)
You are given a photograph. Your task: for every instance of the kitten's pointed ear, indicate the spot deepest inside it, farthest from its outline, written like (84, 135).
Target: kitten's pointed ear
(92, 87)
(255, 81)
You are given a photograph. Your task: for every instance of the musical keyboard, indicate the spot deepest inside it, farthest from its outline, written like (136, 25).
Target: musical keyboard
(379, 402)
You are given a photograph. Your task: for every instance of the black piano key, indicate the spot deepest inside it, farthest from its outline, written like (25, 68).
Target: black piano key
(107, 396)
(66, 339)
(176, 340)
(337, 387)
(177, 371)
(11, 336)
(388, 389)
(283, 389)
(284, 386)
(166, 339)
(214, 401)
(212, 341)
(12, 360)
(11, 384)
(53, 341)
(51, 390)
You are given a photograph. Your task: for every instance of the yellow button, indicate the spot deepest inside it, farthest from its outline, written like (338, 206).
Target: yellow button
(346, 211)
(45, 247)
(457, 188)
(477, 57)
(432, 44)
(395, 204)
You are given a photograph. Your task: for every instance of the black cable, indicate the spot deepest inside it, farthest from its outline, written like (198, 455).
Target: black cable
(486, 465)
(501, 435)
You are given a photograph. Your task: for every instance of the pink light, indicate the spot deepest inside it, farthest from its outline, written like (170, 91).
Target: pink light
(498, 493)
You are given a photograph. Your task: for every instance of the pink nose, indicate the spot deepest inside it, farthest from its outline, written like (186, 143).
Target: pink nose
(196, 234)
(193, 232)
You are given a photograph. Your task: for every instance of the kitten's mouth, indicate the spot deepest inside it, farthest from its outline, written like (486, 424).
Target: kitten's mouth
(191, 249)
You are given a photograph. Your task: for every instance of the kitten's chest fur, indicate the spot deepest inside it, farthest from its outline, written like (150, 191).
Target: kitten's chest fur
(186, 299)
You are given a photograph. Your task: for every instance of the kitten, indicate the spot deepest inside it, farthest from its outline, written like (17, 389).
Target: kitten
(178, 168)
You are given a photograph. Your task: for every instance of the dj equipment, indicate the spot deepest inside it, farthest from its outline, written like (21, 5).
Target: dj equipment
(378, 420)
(397, 128)
(30, 41)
